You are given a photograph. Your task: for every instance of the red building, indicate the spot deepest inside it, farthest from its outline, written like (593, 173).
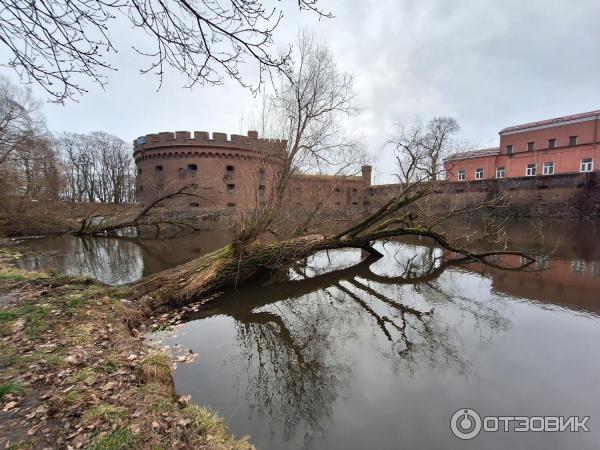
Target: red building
(568, 144)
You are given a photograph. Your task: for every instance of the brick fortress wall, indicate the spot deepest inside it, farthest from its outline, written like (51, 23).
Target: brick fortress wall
(234, 173)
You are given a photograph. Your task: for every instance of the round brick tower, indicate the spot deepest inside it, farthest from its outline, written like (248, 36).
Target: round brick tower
(226, 173)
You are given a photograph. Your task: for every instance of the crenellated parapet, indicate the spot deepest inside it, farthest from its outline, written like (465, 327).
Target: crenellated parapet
(152, 145)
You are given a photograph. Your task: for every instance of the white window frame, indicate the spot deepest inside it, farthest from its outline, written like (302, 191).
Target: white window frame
(548, 164)
(589, 165)
(500, 172)
(479, 174)
(533, 172)
(461, 175)
(578, 266)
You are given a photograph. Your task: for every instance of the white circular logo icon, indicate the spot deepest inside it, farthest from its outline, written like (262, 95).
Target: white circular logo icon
(465, 423)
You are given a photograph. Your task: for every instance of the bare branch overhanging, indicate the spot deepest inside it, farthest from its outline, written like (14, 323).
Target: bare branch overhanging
(62, 45)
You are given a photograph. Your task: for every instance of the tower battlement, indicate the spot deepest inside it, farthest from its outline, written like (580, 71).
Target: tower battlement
(203, 138)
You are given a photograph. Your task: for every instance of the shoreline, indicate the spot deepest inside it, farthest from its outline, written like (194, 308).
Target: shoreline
(75, 373)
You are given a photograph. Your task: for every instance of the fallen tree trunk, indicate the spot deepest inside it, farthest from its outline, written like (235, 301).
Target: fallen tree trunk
(200, 279)
(107, 224)
(228, 268)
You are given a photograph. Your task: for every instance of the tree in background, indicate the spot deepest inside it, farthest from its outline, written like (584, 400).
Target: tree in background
(420, 148)
(35, 166)
(307, 110)
(29, 169)
(97, 167)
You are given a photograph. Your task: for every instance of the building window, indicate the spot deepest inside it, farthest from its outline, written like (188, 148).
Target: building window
(530, 146)
(195, 205)
(578, 266)
(500, 172)
(231, 188)
(194, 185)
(355, 203)
(549, 168)
(541, 262)
(509, 149)
(479, 174)
(192, 167)
(596, 269)
(158, 168)
(337, 189)
(461, 175)
(531, 169)
(337, 203)
(141, 188)
(551, 143)
(354, 190)
(261, 187)
(587, 164)
(230, 169)
(231, 205)
(139, 170)
(572, 140)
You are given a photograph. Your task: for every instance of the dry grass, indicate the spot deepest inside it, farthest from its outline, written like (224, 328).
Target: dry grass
(76, 333)
(156, 367)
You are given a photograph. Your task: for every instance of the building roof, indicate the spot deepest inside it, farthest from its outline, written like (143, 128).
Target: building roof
(553, 122)
(490, 151)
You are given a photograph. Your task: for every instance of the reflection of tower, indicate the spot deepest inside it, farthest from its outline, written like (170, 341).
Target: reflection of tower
(161, 254)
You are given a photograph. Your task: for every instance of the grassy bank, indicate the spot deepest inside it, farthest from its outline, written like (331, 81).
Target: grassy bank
(74, 374)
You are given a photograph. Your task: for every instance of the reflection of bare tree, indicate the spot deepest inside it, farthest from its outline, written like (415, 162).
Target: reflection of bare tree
(293, 334)
(295, 373)
(86, 256)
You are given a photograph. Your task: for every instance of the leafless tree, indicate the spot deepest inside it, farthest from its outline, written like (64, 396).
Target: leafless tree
(96, 167)
(438, 140)
(29, 168)
(420, 148)
(18, 119)
(62, 44)
(307, 110)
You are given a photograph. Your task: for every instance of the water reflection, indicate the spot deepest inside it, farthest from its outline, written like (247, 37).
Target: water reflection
(347, 352)
(115, 260)
(393, 345)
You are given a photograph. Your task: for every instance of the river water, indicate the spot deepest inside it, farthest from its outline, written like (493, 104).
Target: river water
(355, 353)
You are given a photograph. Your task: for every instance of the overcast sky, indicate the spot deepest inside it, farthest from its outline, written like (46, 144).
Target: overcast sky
(488, 63)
